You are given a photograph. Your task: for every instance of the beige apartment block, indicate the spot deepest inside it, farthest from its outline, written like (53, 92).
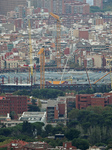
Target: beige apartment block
(76, 33)
(97, 60)
(11, 63)
(2, 63)
(92, 35)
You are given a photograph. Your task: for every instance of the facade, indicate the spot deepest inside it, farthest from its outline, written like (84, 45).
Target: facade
(76, 8)
(9, 5)
(98, 60)
(83, 34)
(36, 146)
(97, 99)
(88, 62)
(13, 103)
(11, 63)
(57, 6)
(98, 3)
(52, 110)
(57, 109)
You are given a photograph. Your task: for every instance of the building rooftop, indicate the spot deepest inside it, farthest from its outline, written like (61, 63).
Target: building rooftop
(52, 103)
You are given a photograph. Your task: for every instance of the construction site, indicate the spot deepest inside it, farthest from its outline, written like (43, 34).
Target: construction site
(63, 78)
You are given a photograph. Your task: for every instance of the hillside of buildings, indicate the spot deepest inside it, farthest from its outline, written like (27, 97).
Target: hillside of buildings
(74, 113)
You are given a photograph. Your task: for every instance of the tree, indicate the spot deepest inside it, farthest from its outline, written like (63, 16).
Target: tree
(48, 129)
(72, 133)
(80, 143)
(33, 108)
(22, 92)
(34, 101)
(27, 128)
(12, 114)
(94, 135)
(73, 114)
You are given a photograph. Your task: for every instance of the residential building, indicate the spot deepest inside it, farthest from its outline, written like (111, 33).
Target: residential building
(33, 117)
(11, 63)
(52, 110)
(98, 60)
(57, 6)
(98, 3)
(83, 45)
(83, 34)
(76, 8)
(57, 109)
(97, 99)
(15, 144)
(1, 63)
(10, 123)
(13, 103)
(36, 146)
(19, 144)
(47, 4)
(9, 5)
(88, 62)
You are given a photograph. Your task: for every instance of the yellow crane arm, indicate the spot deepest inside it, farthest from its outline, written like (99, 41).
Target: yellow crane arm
(101, 78)
(88, 79)
(55, 16)
(41, 51)
(30, 45)
(69, 80)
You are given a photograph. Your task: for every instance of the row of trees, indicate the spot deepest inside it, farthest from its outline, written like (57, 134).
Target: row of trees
(41, 93)
(53, 93)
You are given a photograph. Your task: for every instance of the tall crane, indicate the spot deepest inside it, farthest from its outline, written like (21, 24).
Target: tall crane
(88, 78)
(58, 38)
(110, 74)
(30, 47)
(101, 77)
(42, 68)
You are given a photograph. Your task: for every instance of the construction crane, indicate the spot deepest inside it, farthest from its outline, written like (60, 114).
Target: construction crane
(101, 77)
(70, 79)
(110, 63)
(30, 52)
(42, 68)
(58, 46)
(88, 78)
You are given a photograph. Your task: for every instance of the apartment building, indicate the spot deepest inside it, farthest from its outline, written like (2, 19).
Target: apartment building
(11, 63)
(98, 3)
(57, 109)
(9, 5)
(9, 103)
(97, 99)
(57, 6)
(76, 8)
(52, 110)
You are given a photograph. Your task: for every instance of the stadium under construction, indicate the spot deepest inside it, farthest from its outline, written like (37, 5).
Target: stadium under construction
(72, 80)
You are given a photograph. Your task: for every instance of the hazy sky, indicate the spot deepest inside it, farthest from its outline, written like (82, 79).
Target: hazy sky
(89, 1)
